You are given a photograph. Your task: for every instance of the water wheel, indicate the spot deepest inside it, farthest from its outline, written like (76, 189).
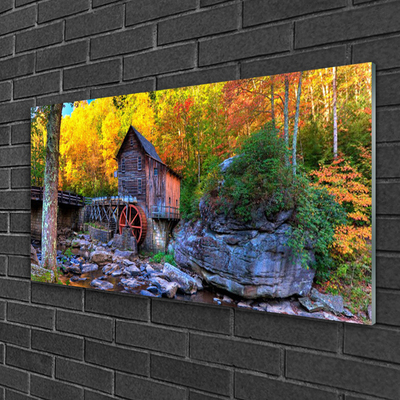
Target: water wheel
(135, 218)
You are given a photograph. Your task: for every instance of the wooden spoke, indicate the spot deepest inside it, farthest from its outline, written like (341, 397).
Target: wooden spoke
(131, 214)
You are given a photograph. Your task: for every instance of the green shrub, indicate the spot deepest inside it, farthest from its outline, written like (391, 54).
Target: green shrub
(162, 258)
(258, 175)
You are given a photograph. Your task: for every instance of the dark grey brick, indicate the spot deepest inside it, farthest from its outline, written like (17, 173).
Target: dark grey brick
(303, 61)
(134, 388)
(103, 20)
(99, 3)
(187, 373)
(30, 315)
(10, 333)
(93, 74)
(117, 358)
(298, 331)
(251, 387)
(199, 77)
(21, 133)
(5, 91)
(160, 61)
(12, 112)
(383, 52)
(84, 374)
(201, 396)
(372, 342)
(3, 265)
(6, 46)
(387, 311)
(387, 272)
(117, 305)
(6, 5)
(146, 10)
(56, 343)
(192, 316)
(18, 245)
(351, 24)
(387, 234)
(85, 325)
(37, 84)
(16, 200)
(20, 223)
(13, 395)
(70, 97)
(151, 337)
(358, 376)
(62, 56)
(235, 353)
(19, 3)
(259, 11)
(386, 161)
(20, 178)
(4, 141)
(2, 310)
(4, 179)
(29, 360)
(386, 198)
(274, 39)
(118, 43)
(17, 20)
(39, 37)
(361, 1)
(19, 266)
(386, 93)
(198, 24)
(13, 378)
(4, 222)
(51, 389)
(14, 289)
(205, 3)
(16, 66)
(145, 85)
(387, 122)
(57, 295)
(89, 395)
(53, 9)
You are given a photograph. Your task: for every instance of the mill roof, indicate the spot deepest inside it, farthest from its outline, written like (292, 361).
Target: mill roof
(147, 146)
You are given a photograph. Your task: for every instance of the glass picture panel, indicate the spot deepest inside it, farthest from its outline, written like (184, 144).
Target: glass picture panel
(255, 194)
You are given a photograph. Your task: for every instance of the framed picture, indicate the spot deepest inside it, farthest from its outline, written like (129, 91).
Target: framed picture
(256, 193)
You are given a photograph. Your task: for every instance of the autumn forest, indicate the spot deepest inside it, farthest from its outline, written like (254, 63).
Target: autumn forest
(319, 120)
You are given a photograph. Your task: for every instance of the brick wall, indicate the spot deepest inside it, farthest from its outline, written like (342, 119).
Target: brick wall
(65, 343)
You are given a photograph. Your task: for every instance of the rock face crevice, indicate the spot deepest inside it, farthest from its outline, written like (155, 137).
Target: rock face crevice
(251, 259)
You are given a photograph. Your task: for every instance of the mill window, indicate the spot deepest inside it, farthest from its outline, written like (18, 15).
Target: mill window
(139, 163)
(139, 185)
(123, 165)
(155, 171)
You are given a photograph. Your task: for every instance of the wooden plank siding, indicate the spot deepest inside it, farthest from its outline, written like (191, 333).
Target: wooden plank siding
(161, 188)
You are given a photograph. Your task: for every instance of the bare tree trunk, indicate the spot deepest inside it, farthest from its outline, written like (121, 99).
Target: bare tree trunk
(273, 106)
(50, 195)
(296, 125)
(335, 133)
(286, 118)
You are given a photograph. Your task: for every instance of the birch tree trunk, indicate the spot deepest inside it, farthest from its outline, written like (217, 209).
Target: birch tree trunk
(335, 133)
(273, 106)
(50, 195)
(296, 125)
(286, 118)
